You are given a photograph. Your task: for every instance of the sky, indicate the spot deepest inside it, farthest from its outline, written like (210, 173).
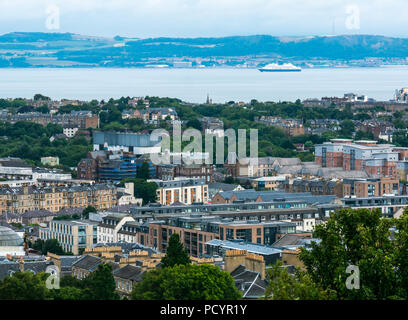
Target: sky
(205, 18)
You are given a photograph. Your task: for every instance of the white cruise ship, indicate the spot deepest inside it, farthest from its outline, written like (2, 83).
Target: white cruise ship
(286, 67)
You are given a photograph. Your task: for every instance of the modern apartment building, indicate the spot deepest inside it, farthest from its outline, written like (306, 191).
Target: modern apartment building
(195, 231)
(363, 188)
(185, 191)
(380, 160)
(74, 236)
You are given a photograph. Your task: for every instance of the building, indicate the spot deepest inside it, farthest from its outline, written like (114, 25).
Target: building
(185, 191)
(259, 167)
(70, 131)
(74, 236)
(126, 278)
(136, 143)
(267, 183)
(54, 198)
(390, 205)
(78, 119)
(196, 231)
(314, 186)
(172, 171)
(50, 161)
(108, 166)
(292, 127)
(248, 271)
(359, 155)
(37, 216)
(110, 226)
(401, 96)
(363, 188)
(10, 243)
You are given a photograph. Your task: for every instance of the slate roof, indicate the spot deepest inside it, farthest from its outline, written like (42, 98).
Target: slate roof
(9, 267)
(88, 262)
(249, 283)
(129, 272)
(126, 246)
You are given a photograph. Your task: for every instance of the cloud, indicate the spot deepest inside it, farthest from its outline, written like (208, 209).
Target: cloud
(205, 17)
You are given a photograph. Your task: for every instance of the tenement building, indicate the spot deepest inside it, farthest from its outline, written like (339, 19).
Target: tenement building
(54, 198)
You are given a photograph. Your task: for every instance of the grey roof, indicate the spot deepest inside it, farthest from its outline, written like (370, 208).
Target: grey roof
(129, 272)
(222, 186)
(126, 246)
(88, 262)
(289, 240)
(241, 245)
(249, 283)
(38, 214)
(7, 268)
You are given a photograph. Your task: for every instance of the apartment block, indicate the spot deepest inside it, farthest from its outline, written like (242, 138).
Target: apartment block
(185, 191)
(195, 231)
(380, 160)
(54, 198)
(74, 236)
(77, 119)
(363, 188)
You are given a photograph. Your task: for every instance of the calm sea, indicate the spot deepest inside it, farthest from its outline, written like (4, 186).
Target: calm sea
(192, 85)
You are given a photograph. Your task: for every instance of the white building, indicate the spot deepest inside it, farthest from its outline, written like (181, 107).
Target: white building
(70, 131)
(110, 226)
(186, 191)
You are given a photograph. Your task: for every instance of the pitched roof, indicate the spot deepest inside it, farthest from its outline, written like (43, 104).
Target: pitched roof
(249, 282)
(88, 262)
(129, 272)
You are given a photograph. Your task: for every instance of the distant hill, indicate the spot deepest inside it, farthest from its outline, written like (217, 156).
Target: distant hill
(20, 49)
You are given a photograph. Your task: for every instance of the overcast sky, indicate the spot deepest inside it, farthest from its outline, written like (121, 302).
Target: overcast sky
(193, 18)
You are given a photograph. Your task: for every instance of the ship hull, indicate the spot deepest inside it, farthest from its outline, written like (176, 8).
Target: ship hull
(283, 70)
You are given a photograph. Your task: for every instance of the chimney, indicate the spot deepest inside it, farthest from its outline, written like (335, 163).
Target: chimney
(21, 264)
(255, 262)
(233, 259)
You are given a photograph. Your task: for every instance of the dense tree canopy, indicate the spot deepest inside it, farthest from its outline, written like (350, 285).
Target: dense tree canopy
(365, 239)
(186, 282)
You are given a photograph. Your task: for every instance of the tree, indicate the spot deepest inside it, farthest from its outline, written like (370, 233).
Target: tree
(143, 189)
(100, 285)
(24, 286)
(50, 245)
(87, 210)
(143, 172)
(186, 282)
(347, 128)
(361, 238)
(175, 253)
(285, 286)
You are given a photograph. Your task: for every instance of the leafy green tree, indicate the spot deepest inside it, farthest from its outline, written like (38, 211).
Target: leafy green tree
(186, 282)
(143, 172)
(100, 284)
(347, 128)
(362, 238)
(50, 245)
(143, 189)
(285, 286)
(67, 293)
(87, 210)
(175, 253)
(24, 286)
